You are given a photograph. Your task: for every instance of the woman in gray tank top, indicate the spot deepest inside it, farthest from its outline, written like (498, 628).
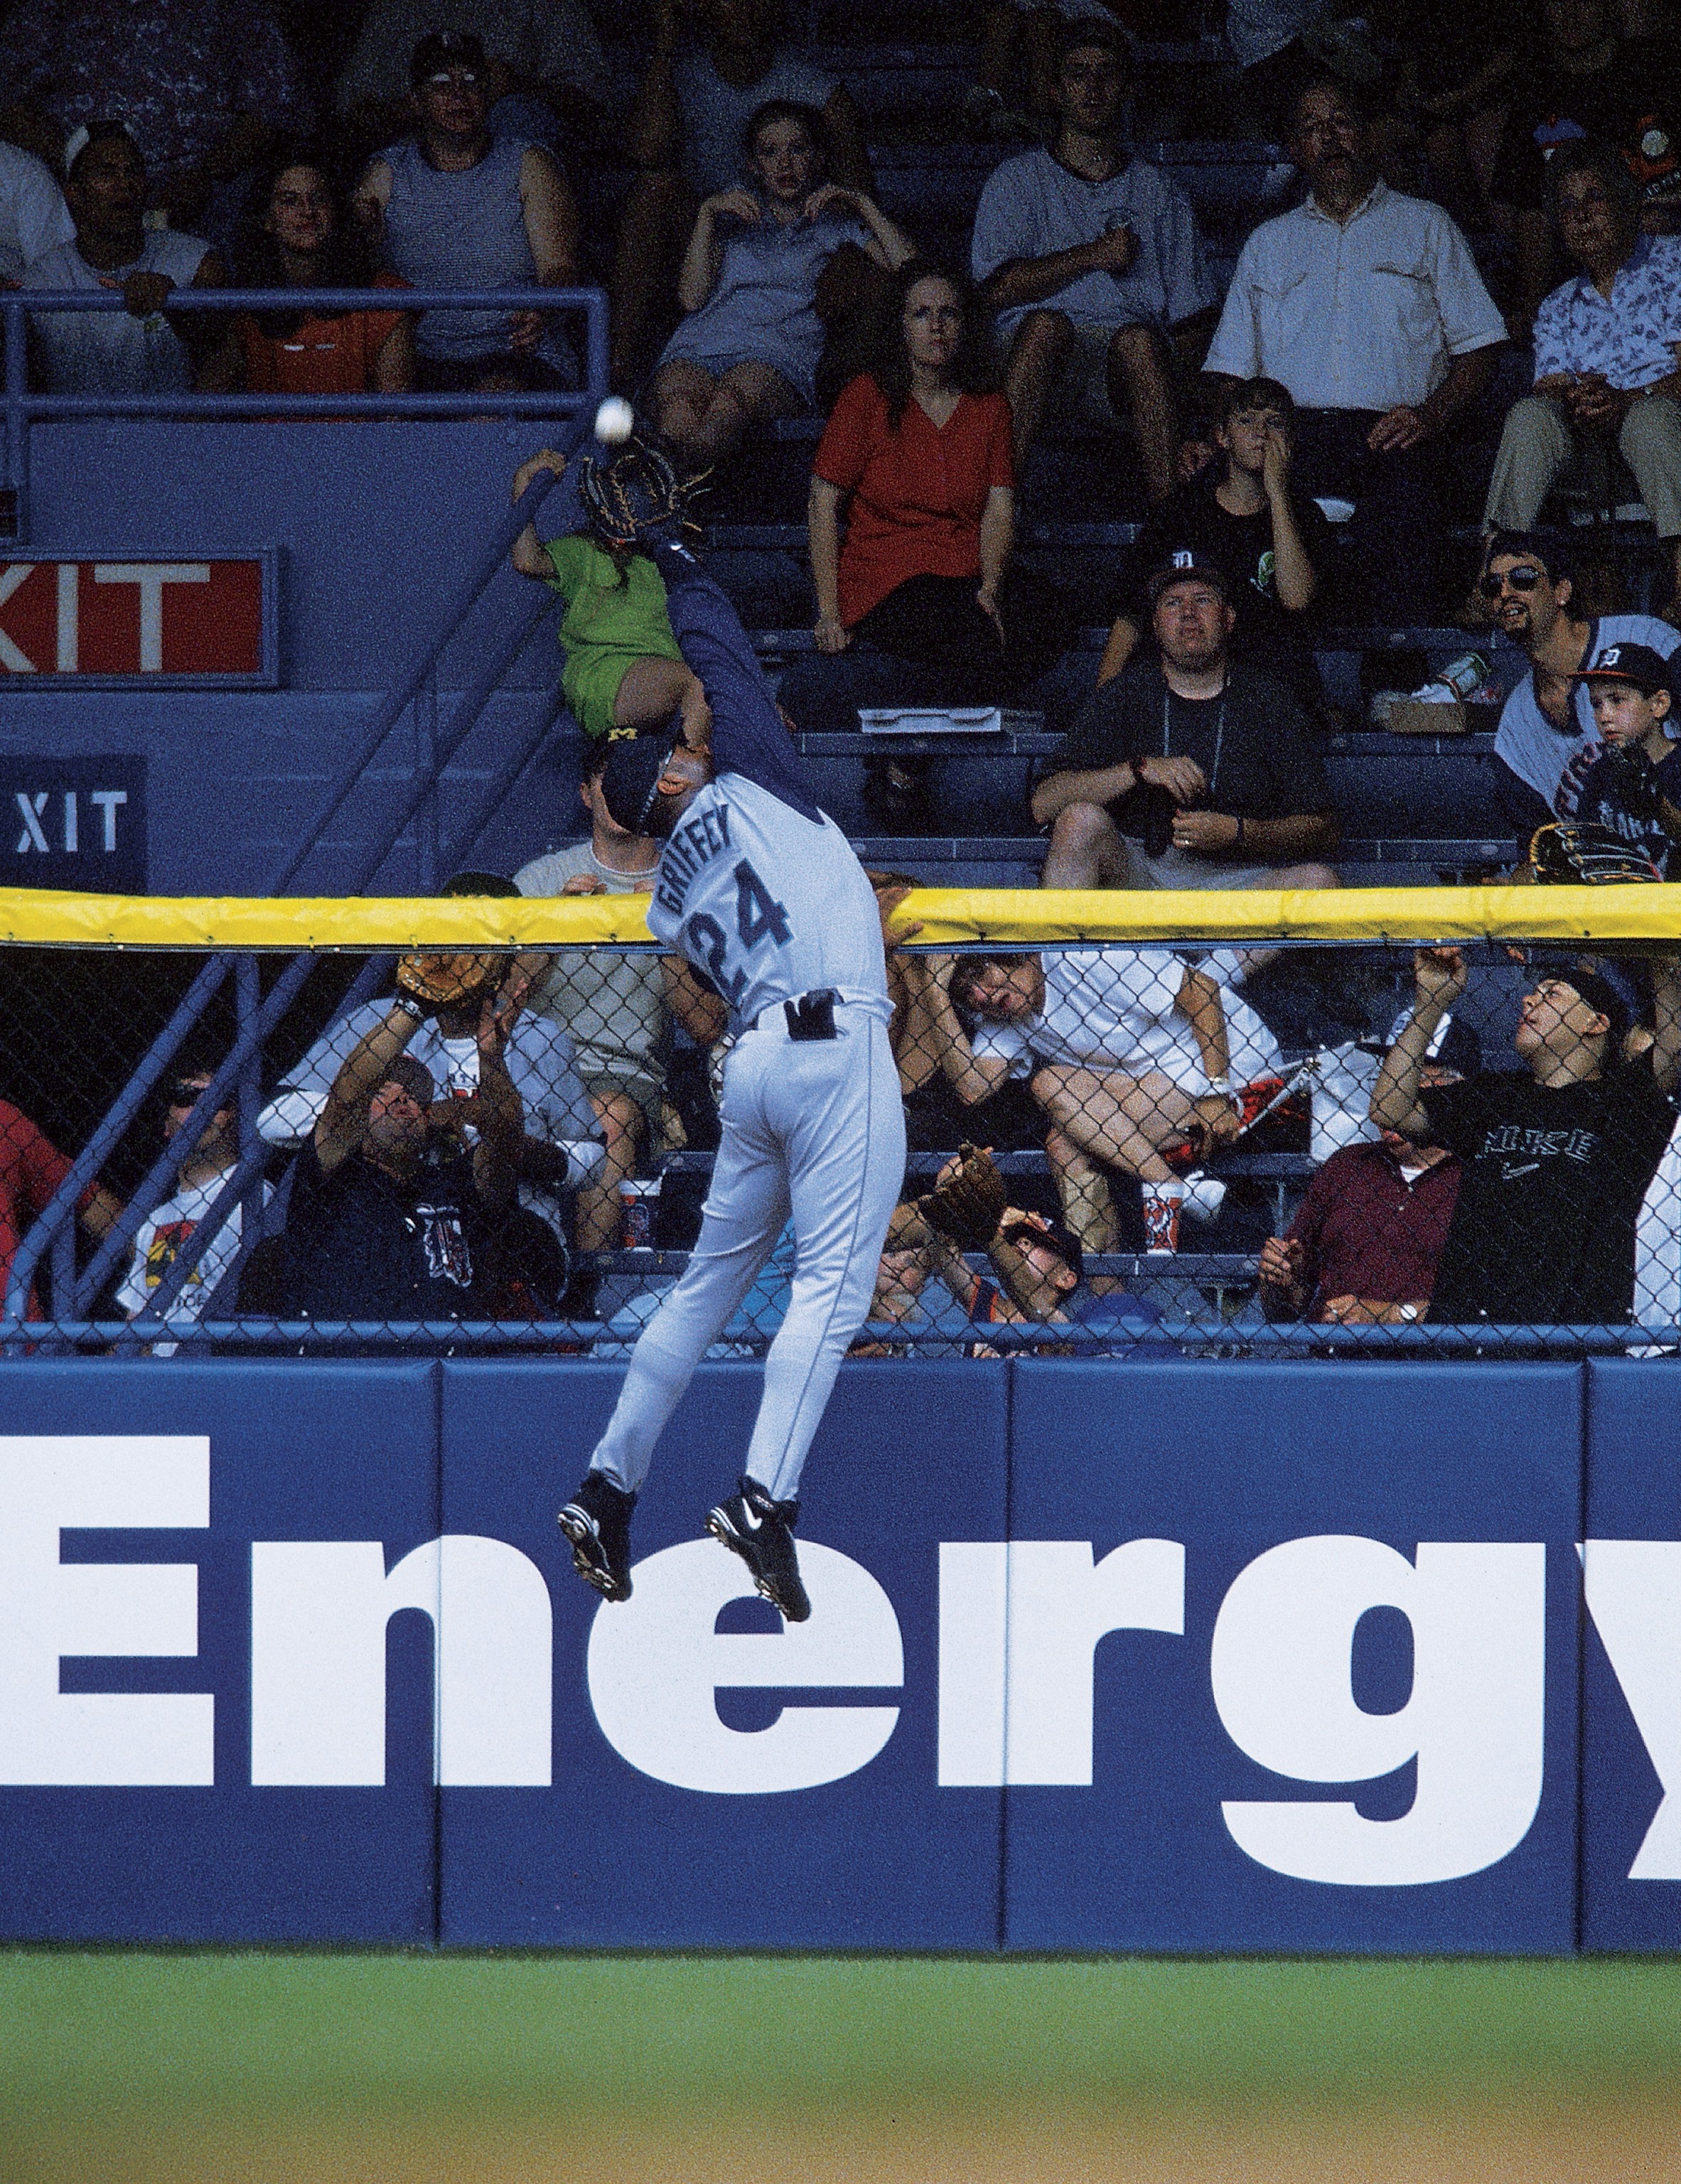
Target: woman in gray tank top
(457, 207)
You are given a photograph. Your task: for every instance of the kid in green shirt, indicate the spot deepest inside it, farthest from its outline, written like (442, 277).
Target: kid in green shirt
(623, 671)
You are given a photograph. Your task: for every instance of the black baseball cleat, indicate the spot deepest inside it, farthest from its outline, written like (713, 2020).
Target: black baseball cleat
(761, 1532)
(597, 1521)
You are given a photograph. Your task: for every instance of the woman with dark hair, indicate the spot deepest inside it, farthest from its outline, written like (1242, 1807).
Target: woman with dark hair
(747, 349)
(917, 455)
(297, 235)
(919, 448)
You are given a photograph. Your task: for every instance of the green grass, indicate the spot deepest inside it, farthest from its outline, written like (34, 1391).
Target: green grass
(210, 2034)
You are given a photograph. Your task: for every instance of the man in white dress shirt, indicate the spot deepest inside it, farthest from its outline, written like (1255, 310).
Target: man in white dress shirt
(1366, 305)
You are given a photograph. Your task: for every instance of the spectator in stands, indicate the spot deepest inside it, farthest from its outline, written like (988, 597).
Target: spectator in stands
(1037, 1275)
(1557, 1160)
(950, 1094)
(916, 458)
(922, 595)
(1606, 349)
(903, 1274)
(746, 351)
(457, 207)
(1546, 740)
(623, 669)
(1363, 1247)
(1191, 769)
(298, 234)
(544, 59)
(164, 1235)
(31, 1171)
(1366, 305)
(1273, 546)
(1041, 1265)
(141, 350)
(1590, 84)
(1634, 787)
(34, 218)
(617, 1009)
(390, 1217)
(685, 138)
(562, 1147)
(1132, 1053)
(1093, 259)
(205, 87)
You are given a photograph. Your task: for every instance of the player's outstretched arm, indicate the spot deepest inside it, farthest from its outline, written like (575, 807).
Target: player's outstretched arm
(748, 734)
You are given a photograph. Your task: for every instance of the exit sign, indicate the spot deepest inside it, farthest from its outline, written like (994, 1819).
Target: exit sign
(180, 624)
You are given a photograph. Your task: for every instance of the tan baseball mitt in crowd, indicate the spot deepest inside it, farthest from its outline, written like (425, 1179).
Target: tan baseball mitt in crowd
(968, 1204)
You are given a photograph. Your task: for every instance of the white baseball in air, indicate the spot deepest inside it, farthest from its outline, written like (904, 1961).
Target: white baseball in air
(613, 420)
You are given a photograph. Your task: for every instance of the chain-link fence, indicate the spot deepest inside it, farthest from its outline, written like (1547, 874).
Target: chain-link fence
(1258, 1147)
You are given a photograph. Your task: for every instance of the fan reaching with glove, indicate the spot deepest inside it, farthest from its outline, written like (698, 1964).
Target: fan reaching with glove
(448, 980)
(968, 1201)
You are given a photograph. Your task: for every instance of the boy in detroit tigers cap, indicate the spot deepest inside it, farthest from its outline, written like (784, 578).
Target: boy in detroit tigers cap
(1634, 787)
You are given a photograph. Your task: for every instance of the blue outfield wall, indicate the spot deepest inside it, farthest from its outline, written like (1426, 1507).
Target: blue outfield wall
(1172, 1658)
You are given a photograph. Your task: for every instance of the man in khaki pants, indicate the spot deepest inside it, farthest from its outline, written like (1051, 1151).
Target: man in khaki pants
(1607, 349)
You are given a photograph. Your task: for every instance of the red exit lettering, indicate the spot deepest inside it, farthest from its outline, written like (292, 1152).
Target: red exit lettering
(130, 617)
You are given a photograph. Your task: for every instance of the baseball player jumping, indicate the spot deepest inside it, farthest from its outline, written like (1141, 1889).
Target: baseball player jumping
(761, 891)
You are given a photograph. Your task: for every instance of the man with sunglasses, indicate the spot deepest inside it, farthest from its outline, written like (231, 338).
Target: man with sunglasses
(1546, 740)
(163, 1235)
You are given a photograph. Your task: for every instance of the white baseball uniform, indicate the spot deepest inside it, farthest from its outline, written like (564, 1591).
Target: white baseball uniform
(760, 890)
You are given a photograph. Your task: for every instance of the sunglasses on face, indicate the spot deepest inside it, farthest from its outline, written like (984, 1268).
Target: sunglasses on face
(1519, 580)
(183, 1094)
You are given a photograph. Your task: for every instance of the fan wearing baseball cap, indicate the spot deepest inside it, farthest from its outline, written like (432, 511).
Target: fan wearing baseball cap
(1557, 1156)
(456, 206)
(1193, 769)
(1634, 786)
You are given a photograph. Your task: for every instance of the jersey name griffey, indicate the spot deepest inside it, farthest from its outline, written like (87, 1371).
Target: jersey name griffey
(768, 904)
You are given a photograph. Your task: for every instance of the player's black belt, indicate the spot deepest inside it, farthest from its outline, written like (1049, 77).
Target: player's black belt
(810, 1016)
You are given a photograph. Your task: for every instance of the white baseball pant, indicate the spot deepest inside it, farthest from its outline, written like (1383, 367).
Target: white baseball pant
(814, 1127)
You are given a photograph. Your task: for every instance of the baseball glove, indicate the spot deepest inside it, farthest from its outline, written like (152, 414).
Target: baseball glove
(447, 981)
(1565, 855)
(969, 1205)
(637, 499)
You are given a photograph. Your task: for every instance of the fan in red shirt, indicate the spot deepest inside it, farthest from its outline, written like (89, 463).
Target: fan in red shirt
(31, 1169)
(1363, 1248)
(298, 236)
(917, 457)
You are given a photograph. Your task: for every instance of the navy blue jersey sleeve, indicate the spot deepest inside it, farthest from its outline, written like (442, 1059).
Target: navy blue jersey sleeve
(748, 734)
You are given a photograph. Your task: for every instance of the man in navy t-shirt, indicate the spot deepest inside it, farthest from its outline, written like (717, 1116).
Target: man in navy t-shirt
(392, 1216)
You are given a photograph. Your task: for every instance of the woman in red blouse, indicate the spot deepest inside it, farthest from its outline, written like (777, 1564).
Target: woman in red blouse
(919, 452)
(299, 237)
(920, 596)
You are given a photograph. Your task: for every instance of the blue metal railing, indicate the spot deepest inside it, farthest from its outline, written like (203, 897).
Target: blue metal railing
(53, 1236)
(24, 407)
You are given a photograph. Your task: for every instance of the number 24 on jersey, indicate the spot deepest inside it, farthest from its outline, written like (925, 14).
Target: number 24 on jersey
(759, 917)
